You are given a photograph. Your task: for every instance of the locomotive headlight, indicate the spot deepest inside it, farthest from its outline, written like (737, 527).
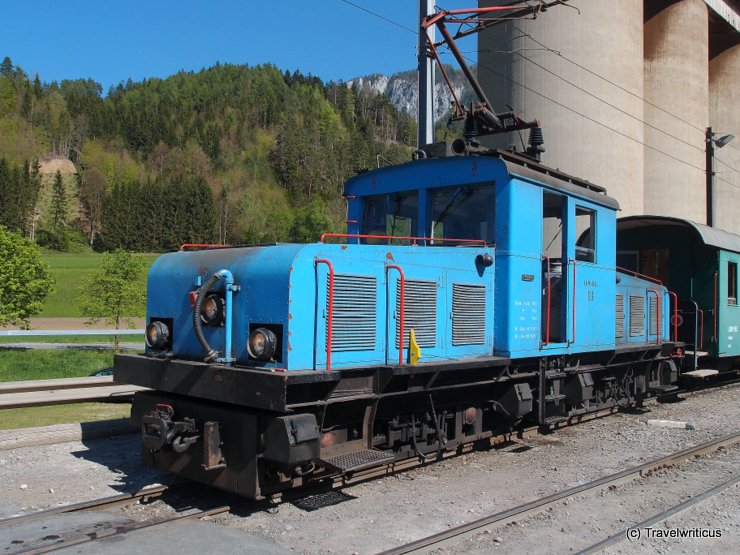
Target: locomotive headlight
(261, 344)
(157, 334)
(212, 312)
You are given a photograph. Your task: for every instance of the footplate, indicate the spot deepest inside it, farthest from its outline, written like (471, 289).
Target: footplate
(358, 460)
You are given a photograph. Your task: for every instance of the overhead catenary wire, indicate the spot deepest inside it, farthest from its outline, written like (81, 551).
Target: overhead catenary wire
(595, 74)
(375, 14)
(573, 110)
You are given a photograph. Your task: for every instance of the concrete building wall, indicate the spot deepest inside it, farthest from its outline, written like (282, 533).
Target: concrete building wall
(602, 141)
(724, 117)
(676, 77)
(624, 91)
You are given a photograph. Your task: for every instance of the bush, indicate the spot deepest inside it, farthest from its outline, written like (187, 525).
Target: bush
(63, 240)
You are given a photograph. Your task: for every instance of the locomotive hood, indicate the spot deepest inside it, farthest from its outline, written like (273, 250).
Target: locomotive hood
(320, 306)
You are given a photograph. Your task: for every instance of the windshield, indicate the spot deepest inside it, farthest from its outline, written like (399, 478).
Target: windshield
(463, 213)
(391, 215)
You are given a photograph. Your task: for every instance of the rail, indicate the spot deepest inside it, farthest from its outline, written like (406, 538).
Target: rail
(715, 338)
(61, 333)
(389, 238)
(37, 393)
(549, 303)
(202, 246)
(675, 314)
(330, 312)
(638, 275)
(401, 317)
(453, 536)
(657, 320)
(573, 308)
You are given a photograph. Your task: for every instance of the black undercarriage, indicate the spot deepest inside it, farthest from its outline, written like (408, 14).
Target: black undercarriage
(257, 433)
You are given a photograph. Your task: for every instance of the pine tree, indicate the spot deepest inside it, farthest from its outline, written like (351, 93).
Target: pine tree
(6, 67)
(58, 203)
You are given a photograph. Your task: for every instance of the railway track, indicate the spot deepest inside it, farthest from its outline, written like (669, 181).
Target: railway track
(37, 393)
(455, 535)
(189, 494)
(224, 503)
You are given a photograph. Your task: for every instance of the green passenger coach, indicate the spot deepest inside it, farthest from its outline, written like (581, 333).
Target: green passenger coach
(700, 264)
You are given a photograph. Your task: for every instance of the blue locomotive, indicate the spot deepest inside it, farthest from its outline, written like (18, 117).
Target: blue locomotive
(474, 291)
(470, 295)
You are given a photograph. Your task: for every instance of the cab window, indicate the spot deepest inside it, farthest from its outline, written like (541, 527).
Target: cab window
(463, 213)
(394, 215)
(586, 233)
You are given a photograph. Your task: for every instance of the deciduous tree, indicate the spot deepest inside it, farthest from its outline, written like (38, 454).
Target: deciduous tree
(25, 281)
(116, 293)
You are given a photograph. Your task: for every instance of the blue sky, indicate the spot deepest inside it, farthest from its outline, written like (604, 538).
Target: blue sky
(112, 41)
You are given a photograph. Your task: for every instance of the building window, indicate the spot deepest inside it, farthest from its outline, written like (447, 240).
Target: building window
(732, 283)
(586, 233)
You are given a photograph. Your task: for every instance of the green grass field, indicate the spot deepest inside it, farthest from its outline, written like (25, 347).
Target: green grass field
(42, 364)
(62, 414)
(90, 339)
(38, 364)
(68, 270)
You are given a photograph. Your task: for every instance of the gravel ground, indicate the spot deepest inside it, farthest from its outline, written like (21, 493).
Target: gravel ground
(386, 512)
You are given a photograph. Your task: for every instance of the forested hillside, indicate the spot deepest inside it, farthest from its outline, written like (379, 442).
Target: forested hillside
(232, 154)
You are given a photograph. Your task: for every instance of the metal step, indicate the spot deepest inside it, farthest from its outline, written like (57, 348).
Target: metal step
(662, 389)
(358, 460)
(555, 374)
(553, 420)
(700, 373)
(554, 397)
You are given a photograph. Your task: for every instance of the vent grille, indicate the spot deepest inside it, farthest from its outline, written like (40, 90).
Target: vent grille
(355, 313)
(419, 312)
(653, 315)
(620, 317)
(637, 316)
(468, 314)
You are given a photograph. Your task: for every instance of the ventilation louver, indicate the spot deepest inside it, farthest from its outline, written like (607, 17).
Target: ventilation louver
(468, 314)
(653, 315)
(420, 312)
(619, 327)
(355, 313)
(637, 316)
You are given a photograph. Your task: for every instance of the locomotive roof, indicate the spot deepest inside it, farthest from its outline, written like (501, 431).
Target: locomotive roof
(709, 236)
(515, 164)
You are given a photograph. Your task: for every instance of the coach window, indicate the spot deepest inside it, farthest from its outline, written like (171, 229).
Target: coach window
(393, 215)
(463, 213)
(586, 233)
(732, 283)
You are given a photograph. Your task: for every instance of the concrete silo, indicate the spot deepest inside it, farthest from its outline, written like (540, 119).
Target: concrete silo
(724, 117)
(522, 62)
(676, 76)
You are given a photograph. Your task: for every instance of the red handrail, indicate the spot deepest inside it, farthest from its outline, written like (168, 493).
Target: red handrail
(675, 315)
(547, 320)
(716, 305)
(575, 281)
(403, 301)
(330, 315)
(643, 276)
(202, 246)
(657, 304)
(702, 329)
(392, 237)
